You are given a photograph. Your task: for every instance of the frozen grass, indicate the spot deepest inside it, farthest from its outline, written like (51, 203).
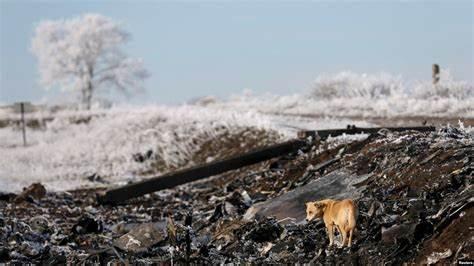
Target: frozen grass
(65, 153)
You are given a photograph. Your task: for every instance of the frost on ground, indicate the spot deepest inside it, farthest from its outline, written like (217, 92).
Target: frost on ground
(66, 152)
(125, 144)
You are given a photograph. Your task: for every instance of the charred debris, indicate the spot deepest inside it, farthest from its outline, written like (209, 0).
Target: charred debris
(414, 190)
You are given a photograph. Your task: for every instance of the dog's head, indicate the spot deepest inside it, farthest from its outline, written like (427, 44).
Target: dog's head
(315, 209)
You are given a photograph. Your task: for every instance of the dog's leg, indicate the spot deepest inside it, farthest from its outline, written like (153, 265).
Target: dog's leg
(331, 234)
(350, 237)
(344, 236)
(340, 232)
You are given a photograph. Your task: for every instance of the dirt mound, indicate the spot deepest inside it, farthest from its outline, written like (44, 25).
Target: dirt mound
(222, 143)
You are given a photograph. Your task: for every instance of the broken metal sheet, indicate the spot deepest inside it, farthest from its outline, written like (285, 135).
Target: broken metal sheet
(336, 185)
(393, 234)
(142, 237)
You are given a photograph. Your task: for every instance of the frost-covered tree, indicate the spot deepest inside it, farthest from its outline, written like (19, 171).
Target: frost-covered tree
(83, 54)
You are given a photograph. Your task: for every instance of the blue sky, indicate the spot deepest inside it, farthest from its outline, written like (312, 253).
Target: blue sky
(197, 48)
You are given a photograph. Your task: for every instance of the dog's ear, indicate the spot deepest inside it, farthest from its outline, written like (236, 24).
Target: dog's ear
(320, 204)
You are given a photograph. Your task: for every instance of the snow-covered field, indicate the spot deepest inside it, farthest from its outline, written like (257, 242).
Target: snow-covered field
(76, 144)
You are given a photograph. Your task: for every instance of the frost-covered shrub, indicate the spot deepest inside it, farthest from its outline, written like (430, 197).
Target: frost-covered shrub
(203, 101)
(350, 84)
(447, 87)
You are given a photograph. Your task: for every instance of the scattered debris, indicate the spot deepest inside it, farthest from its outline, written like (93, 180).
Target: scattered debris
(265, 231)
(35, 191)
(140, 158)
(414, 192)
(437, 256)
(87, 225)
(397, 233)
(142, 237)
(429, 158)
(4, 196)
(97, 178)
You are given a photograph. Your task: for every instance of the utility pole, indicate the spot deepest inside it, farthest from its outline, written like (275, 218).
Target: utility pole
(22, 107)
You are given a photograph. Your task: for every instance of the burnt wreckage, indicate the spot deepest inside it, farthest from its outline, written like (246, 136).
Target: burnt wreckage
(413, 187)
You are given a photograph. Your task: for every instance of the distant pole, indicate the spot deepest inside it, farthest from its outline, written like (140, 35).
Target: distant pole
(22, 107)
(435, 74)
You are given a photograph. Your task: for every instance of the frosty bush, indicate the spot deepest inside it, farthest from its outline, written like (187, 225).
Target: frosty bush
(348, 94)
(349, 85)
(447, 87)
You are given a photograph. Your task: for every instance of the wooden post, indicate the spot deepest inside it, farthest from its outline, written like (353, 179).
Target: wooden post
(435, 74)
(22, 109)
(324, 134)
(199, 172)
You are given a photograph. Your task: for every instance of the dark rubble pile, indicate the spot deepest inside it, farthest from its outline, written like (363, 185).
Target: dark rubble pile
(415, 205)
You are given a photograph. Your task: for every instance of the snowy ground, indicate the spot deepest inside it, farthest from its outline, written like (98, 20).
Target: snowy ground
(72, 147)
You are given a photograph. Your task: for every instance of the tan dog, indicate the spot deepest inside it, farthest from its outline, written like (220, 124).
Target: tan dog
(335, 214)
